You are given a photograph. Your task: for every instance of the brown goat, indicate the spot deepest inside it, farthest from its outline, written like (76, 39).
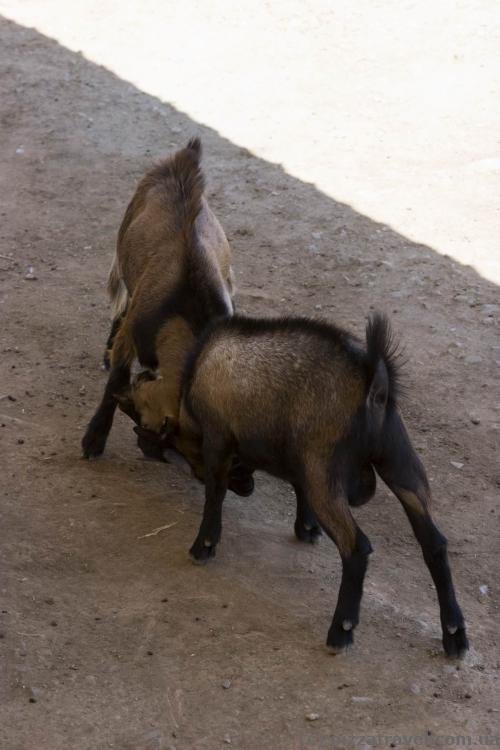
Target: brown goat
(171, 276)
(308, 403)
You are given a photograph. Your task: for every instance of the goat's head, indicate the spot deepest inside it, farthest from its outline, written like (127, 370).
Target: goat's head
(143, 402)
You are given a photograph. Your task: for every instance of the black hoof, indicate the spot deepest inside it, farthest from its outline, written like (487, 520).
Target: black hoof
(340, 637)
(201, 552)
(93, 443)
(455, 641)
(307, 532)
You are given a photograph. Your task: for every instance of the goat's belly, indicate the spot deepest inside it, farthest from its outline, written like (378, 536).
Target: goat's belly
(270, 456)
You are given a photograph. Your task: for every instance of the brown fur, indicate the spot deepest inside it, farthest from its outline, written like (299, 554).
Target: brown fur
(155, 231)
(169, 241)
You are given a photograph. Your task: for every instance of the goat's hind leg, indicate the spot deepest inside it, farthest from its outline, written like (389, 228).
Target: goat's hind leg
(327, 498)
(402, 471)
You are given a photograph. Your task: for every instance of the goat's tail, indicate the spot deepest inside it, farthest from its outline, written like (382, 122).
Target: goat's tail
(117, 290)
(383, 362)
(183, 181)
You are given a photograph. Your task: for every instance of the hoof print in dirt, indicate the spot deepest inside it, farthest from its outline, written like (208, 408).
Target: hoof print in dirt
(455, 642)
(340, 638)
(201, 553)
(307, 533)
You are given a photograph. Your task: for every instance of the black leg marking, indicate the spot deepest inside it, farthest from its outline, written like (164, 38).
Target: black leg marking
(217, 462)
(327, 498)
(346, 617)
(402, 471)
(434, 550)
(96, 434)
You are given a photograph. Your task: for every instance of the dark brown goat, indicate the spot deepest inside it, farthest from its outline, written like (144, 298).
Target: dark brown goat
(310, 404)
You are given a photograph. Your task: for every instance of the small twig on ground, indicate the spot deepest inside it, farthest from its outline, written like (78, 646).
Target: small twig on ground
(157, 531)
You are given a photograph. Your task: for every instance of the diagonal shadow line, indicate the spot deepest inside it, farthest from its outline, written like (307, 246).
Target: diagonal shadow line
(76, 137)
(86, 136)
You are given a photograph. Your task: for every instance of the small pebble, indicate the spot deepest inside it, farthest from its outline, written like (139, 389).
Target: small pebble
(30, 274)
(20, 441)
(312, 717)
(226, 684)
(415, 689)
(456, 464)
(475, 420)
(484, 589)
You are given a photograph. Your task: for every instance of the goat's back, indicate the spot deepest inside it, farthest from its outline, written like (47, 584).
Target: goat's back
(275, 376)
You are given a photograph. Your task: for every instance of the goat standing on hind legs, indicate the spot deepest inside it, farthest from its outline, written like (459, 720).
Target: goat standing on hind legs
(171, 275)
(310, 404)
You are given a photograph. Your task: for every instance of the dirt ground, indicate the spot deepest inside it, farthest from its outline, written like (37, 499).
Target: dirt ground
(110, 637)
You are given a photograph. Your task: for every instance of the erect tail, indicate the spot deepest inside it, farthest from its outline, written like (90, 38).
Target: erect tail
(383, 363)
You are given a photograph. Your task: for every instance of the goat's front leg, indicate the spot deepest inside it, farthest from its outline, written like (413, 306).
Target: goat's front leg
(96, 434)
(327, 499)
(402, 471)
(217, 460)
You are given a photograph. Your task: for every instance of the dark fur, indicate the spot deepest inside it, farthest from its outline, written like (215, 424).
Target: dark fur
(331, 467)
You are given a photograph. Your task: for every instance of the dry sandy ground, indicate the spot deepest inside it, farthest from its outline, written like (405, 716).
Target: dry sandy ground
(112, 638)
